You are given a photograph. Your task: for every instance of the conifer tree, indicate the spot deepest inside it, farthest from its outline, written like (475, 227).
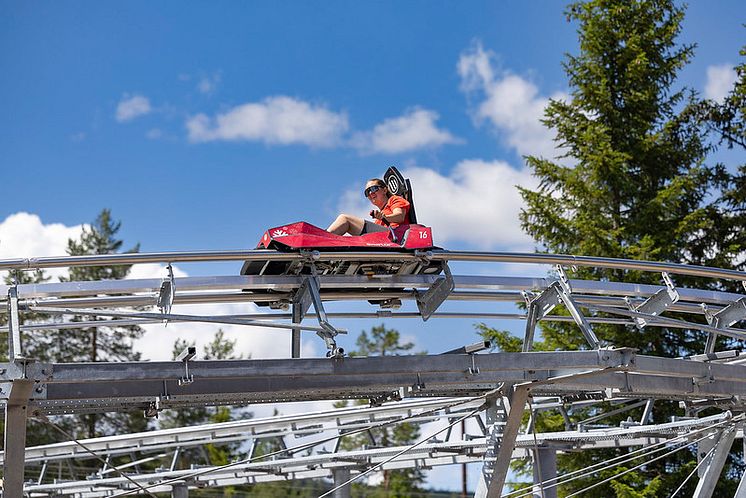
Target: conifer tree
(220, 348)
(400, 483)
(105, 342)
(631, 182)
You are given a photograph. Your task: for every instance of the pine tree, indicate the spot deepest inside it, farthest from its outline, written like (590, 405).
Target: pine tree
(727, 122)
(396, 483)
(220, 348)
(105, 342)
(632, 182)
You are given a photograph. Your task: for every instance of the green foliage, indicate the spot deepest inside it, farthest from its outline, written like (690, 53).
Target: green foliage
(727, 121)
(381, 342)
(219, 348)
(500, 339)
(632, 182)
(98, 343)
(396, 483)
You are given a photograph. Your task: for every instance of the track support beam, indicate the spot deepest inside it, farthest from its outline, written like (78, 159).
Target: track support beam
(714, 467)
(492, 478)
(342, 476)
(15, 437)
(545, 470)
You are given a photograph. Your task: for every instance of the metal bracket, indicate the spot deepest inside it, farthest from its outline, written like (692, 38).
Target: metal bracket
(186, 355)
(657, 303)
(726, 317)
(429, 301)
(387, 304)
(165, 298)
(15, 349)
(730, 315)
(153, 409)
(538, 308)
(309, 293)
(558, 291)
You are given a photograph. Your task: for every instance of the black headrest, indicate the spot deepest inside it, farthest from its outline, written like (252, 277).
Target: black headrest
(395, 182)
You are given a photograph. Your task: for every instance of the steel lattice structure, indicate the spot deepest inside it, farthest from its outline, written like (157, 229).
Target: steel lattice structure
(492, 390)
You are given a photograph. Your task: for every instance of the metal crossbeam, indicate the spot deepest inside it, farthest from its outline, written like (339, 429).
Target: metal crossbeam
(112, 387)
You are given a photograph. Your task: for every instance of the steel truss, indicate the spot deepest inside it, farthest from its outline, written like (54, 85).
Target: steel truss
(503, 383)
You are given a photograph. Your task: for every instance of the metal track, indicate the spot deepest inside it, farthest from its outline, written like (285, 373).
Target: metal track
(555, 380)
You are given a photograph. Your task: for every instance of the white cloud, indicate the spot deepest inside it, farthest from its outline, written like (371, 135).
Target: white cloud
(477, 203)
(208, 84)
(257, 342)
(275, 120)
(510, 103)
(413, 130)
(720, 81)
(23, 235)
(130, 108)
(154, 133)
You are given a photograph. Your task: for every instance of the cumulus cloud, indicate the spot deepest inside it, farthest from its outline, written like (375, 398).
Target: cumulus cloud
(508, 102)
(130, 108)
(24, 235)
(277, 120)
(415, 129)
(720, 81)
(477, 204)
(256, 342)
(208, 84)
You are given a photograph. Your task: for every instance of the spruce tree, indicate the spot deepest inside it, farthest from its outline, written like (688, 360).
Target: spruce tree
(401, 483)
(220, 348)
(631, 182)
(100, 342)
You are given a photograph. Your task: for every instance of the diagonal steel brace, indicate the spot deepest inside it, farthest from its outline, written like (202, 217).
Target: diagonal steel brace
(309, 293)
(558, 292)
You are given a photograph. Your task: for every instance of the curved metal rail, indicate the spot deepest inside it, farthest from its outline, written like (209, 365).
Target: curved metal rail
(714, 379)
(438, 255)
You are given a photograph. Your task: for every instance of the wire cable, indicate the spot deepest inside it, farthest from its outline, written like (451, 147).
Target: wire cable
(607, 464)
(394, 457)
(703, 460)
(72, 438)
(304, 446)
(537, 460)
(604, 481)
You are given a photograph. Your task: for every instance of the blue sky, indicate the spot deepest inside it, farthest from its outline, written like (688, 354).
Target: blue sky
(200, 124)
(65, 155)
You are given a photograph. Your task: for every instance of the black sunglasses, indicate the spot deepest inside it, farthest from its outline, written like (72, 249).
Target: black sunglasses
(371, 190)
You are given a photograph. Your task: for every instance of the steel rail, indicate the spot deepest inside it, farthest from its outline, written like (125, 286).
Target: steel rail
(186, 318)
(283, 284)
(438, 255)
(261, 317)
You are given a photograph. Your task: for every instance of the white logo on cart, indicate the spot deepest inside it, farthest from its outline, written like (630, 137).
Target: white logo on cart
(279, 233)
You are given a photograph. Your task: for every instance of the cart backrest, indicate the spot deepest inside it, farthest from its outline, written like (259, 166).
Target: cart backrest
(398, 185)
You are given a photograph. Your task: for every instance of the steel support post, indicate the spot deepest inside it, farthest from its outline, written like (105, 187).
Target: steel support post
(14, 326)
(15, 438)
(492, 478)
(341, 476)
(714, 467)
(295, 338)
(545, 469)
(180, 490)
(741, 491)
